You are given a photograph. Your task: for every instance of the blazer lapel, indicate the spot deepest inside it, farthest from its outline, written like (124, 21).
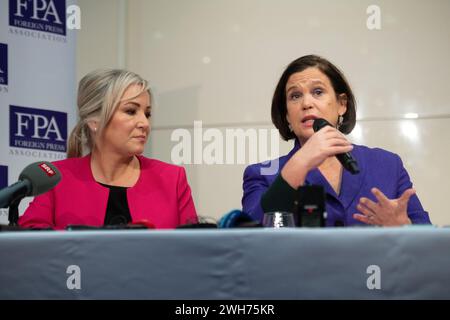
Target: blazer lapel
(317, 178)
(351, 183)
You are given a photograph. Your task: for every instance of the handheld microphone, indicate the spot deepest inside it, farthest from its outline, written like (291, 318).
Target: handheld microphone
(35, 179)
(346, 159)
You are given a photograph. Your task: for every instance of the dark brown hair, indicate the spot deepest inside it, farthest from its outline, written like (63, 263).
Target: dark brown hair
(338, 81)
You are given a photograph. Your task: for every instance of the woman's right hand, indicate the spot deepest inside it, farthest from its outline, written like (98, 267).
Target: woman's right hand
(324, 143)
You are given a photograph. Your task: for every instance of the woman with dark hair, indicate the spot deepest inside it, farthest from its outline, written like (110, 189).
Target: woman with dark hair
(381, 194)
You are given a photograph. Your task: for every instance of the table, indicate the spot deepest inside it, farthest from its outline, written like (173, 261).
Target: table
(330, 263)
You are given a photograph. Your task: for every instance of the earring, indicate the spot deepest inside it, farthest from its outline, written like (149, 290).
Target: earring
(95, 129)
(290, 127)
(340, 121)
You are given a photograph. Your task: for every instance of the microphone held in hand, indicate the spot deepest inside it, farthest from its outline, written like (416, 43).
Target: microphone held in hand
(346, 159)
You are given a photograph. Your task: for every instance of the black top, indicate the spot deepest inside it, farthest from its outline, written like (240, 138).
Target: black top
(280, 196)
(117, 210)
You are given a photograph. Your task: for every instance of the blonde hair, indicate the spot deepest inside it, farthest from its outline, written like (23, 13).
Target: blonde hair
(99, 94)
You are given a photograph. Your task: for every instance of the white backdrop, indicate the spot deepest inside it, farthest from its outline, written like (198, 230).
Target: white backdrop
(218, 61)
(38, 101)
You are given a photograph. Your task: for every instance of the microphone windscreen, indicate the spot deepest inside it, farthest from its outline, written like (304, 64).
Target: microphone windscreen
(319, 124)
(237, 219)
(42, 175)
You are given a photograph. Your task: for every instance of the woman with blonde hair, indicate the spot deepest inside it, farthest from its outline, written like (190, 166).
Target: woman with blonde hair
(106, 180)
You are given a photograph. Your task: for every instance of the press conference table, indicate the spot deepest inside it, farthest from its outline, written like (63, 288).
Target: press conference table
(412, 262)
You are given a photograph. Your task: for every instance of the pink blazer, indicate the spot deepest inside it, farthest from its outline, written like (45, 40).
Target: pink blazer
(161, 195)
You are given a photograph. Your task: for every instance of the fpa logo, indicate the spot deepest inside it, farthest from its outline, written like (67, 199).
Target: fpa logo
(3, 177)
(3, 64)
(40, 15)
(37, 129)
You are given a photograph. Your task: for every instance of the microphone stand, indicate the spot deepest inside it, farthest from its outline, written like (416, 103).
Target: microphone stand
(13, 215)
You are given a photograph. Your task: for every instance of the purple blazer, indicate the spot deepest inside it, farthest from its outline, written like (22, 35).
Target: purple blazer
(161, 196)
(378, 168)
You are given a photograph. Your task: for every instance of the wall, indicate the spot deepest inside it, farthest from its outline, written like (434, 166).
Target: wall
(99, 40)
(218, 62)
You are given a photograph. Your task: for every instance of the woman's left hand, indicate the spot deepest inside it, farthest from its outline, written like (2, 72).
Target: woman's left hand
(385, 212)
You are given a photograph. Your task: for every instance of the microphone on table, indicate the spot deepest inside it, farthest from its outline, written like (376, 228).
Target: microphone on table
(135, 225)
(35, 179)
(238, 219)
(202, 222)
(310, 206)
(346, 159)
(118, 223)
